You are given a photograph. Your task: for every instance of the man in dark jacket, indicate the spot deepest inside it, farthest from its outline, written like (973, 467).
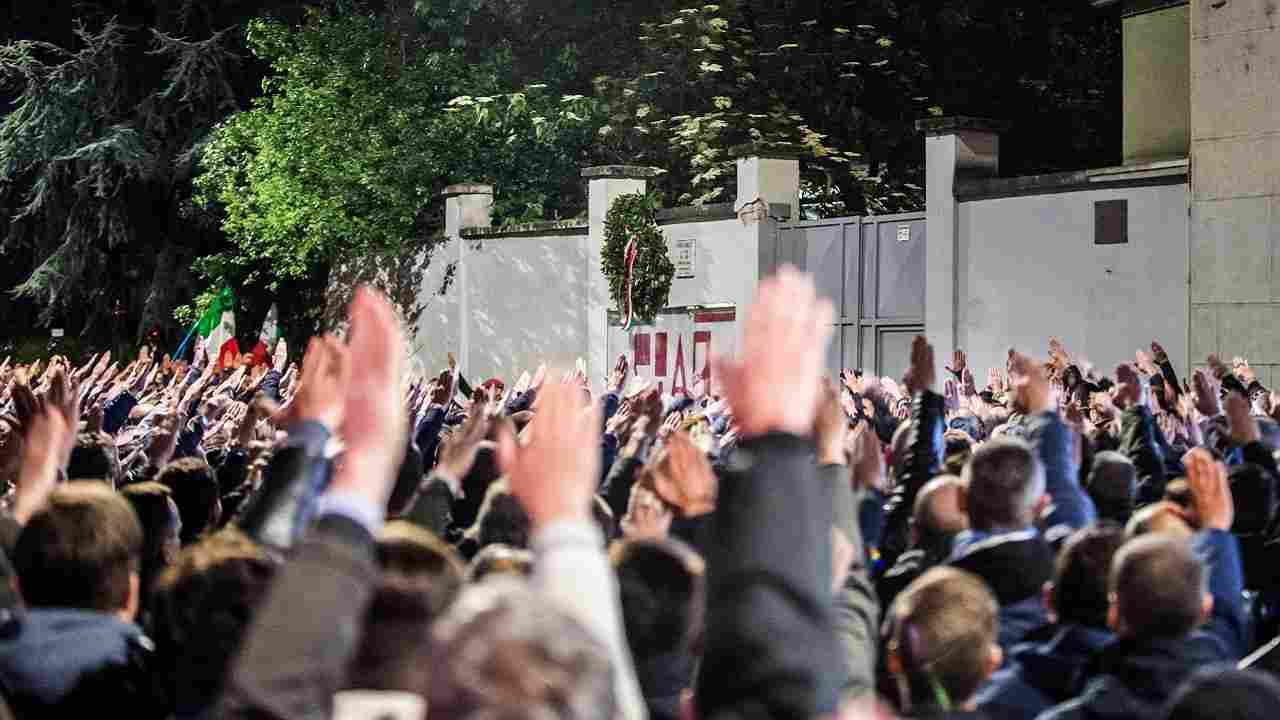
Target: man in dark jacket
(1175, 607)
(937, 518)
(1048, 668)
(77, 563)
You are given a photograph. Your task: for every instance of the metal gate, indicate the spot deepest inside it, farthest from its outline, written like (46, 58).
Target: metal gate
(873, 270)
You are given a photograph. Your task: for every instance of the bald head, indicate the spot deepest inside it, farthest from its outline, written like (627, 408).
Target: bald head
(1163, 517)
(1159, 588)
(939, 510)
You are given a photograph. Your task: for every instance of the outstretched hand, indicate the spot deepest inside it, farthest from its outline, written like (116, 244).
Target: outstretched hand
(48, 439)
(771, 390)
(923, 373)
(1243, 426)
(1032, 393)
(1205, 388)
(1210, 490)
(1131, 389)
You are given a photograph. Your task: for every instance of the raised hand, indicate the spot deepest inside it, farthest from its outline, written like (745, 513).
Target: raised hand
(995, 381)
(321, 396)
(1131, 389)
(831, 428)
(1241, 368)
(688, 482)
(458, 451)
(1058, 356)
(951, 392)
(923, 373)
(1144, 363)
(1244, 427)
(554, 476)
(1205, 388)
(1032, 393)
(1210, 490)
(48, 439)
(373, 423)
(1157, 352)
(647, 517)
(968, 388)
(868, 463)
(281, 355)
(618, 379)
(773, 391)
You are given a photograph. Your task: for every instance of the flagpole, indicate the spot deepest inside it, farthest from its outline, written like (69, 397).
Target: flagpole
(186, 340)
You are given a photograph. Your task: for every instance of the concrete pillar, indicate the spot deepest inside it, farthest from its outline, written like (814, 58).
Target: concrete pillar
(955, 147)
(467, 205)
(604, 184)
(766, 177)
(1235, 183)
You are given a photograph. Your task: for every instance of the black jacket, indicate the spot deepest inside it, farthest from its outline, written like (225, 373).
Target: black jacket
(1016, 565)
(924, 460)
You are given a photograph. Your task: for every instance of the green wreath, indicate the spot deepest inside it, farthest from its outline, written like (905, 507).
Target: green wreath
(634, 216)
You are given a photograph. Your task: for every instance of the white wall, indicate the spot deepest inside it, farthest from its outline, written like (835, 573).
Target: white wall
(526, 304)
(727, 262)
(1027, 269)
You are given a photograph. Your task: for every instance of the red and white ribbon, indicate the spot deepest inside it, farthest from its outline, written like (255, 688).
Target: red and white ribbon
(628, 280)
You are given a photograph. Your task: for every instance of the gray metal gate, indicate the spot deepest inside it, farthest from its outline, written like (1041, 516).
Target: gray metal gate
(873, 270)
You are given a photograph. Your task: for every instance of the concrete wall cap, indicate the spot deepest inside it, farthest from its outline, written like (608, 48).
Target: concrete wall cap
(957, 123)
(621, 172)
(466, 189)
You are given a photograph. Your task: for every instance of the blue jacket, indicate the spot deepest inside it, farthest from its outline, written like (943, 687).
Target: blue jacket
(1133, 677)
(1047, 669)
(1051, 438)
(46, 652)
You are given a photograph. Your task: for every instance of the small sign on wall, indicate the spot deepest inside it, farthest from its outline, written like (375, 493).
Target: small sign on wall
(684, 257)
(59, 332)
(904, 233)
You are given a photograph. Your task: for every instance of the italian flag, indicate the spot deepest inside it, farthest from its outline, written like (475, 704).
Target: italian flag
(218, 328)
(267, 338)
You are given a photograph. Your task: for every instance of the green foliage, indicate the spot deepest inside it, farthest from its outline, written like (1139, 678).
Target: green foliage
(359, 129)
(632, 216)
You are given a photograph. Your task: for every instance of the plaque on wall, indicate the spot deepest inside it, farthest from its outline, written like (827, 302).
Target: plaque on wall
(684, 257)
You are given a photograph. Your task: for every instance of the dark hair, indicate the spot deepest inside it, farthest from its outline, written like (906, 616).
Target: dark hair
(1159, 585)
(1005, 480)
(414, 557)
(195, 490)
(504, 522)
(1225, 693)
(499, 560)
(201, 607)
(1081, 573)
(408, 478)
(395, 648)
(475, 484)
(79, 550)
(1113, 483)
(943, 627)
(662, 591)
(158, 516)
(94, 459)
(1255, 499)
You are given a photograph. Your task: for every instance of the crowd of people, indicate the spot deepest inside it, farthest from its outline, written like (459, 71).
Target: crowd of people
(247, 539)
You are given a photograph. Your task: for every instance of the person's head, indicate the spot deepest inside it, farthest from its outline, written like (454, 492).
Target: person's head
(938, 513)
(94, 458)
(1113, 484)
(1005, 486)
(1255, 499)
(200, 608)
(81, 550)
(943, 643)
(395, 648)
(1164, 517)
(1225, 693)
(1158, 588)
(158, 515)
(415, 557)
(662, 591)
(1078, 592)
(505, 651)
(195, 490)
(499, 560)
(408, 478)
(504, 521)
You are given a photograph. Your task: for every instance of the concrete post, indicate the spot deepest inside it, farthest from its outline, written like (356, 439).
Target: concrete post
(465, 206)
(766, 177)
(604, 184)
(955, 147)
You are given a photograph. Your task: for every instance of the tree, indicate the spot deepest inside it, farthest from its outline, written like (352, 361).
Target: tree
(363, 121)
(96, 156)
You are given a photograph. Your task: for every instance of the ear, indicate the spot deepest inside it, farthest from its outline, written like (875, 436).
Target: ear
(1041, 506)
(1206, 608)
(995, 658)
(1113, 616)
(894, 663)
(130, 610)
(1047, 598)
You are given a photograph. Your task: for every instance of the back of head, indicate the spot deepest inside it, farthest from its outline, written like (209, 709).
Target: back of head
(662, 591)
(1005, 482)
(500, 560)
(1081, 574)
(1159, 587)
(1158, 517)
(395, 647)
(1113, 483)
(476, 484)
(1254, 496)
(158, 516)
(201, 606)
(504, 651)
(408, 478)
(94, 458)
(937, 512)
(1223, 693)
(80, 551)
(504, 521)
(944, 635)
(195, 490)
(413, 557)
